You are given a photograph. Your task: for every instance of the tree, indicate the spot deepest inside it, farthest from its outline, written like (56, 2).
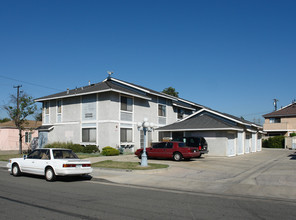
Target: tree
(19, 109)
(4, 120)
(171, 91)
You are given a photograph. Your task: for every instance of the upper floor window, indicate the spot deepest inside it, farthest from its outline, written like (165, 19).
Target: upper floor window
(126, 104)
(275, 120)
(59, 110)
(46, 112)
(89, 107)
(161, 110)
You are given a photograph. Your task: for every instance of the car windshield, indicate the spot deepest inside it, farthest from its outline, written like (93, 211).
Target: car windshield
(64, 154)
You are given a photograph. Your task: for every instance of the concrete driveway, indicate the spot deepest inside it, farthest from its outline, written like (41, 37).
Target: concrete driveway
(269, 173)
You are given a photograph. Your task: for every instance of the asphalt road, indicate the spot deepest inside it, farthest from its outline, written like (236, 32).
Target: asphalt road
(31, 197)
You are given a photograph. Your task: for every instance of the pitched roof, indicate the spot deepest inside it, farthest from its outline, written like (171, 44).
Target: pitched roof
(287, 111)
(28, 124)
(116, 85)
(201, 121)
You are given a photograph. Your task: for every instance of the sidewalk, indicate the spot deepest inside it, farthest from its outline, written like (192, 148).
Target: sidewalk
(270, 173)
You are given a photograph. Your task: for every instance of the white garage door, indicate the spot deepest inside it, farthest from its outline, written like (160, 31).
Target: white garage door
(231, 150)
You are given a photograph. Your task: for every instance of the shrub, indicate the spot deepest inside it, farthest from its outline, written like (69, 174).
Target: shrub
(90, 149)
(109, 151)
(69, 145)
(274, 142)
(292, 134)
(76, 148)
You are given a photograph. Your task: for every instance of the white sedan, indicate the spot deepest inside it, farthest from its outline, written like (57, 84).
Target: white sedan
(50, 163)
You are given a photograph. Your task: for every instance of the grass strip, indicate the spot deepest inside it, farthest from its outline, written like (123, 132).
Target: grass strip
(127, 165)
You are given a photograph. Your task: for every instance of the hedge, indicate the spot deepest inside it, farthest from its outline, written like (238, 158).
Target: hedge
(77, 148)
(274, 142)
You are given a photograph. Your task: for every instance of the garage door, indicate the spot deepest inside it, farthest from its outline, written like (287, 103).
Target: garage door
(231, 150)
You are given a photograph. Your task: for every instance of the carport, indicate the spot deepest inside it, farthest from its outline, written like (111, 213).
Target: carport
(226, 135)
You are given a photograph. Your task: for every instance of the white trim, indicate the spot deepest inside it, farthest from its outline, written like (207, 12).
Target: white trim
(127, 84)
(279, 130)
(73, 95)
(203, 129)
(68, 123)
(183, 107)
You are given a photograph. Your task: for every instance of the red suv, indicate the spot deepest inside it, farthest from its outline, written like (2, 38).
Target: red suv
(172, 149)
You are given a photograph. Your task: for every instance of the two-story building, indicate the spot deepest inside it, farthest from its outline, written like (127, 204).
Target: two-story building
(281, 122)
(107, 114)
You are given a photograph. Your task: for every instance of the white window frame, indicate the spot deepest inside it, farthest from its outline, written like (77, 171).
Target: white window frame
(59, 114)
(46, 111)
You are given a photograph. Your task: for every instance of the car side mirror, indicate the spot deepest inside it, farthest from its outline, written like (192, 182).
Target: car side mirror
(25, 157)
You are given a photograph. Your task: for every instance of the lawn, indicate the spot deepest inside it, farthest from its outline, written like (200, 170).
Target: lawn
(7, 157)
(127, 165)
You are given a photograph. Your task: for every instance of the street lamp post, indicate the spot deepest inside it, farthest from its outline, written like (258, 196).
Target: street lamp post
(145, 126)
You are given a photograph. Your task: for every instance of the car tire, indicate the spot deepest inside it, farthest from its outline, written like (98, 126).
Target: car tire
(15, 170)
(50, 175)
(177, 156)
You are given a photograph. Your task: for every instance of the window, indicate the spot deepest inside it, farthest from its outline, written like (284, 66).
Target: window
(46, 112)
(89, 135)
(180, 113)
(161, 110)
(46, 108)
(89, 107)
(28, 137)
(126, 104)
(275, 120)
(126, 135)
(59, 110)
(159, 145)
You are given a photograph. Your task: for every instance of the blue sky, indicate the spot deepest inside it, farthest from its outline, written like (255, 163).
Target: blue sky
(232, 56)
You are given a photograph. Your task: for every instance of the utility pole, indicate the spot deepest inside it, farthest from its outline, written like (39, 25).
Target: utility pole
(17, 122)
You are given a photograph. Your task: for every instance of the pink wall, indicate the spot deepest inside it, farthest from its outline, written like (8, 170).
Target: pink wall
(9, 139)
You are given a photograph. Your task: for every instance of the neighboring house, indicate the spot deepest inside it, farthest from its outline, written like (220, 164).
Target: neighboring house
(281, 122)
(107, 114)
(226, 135)
(9, 135)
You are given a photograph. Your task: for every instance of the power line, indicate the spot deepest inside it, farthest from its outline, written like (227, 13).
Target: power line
(32, 84)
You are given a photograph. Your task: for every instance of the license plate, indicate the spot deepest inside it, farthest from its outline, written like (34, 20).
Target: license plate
(78, 165)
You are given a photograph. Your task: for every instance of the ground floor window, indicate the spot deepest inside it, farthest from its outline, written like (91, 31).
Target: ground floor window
(28, 137)
(88, 135)
(126, 134)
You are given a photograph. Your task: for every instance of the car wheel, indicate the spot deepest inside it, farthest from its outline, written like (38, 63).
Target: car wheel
(15, 170)
(49, 175)
(177, 156)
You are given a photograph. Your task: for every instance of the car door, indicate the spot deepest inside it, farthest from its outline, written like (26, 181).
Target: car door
(168, 150)
(42, 162)
(157, 150)
(28, 164)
